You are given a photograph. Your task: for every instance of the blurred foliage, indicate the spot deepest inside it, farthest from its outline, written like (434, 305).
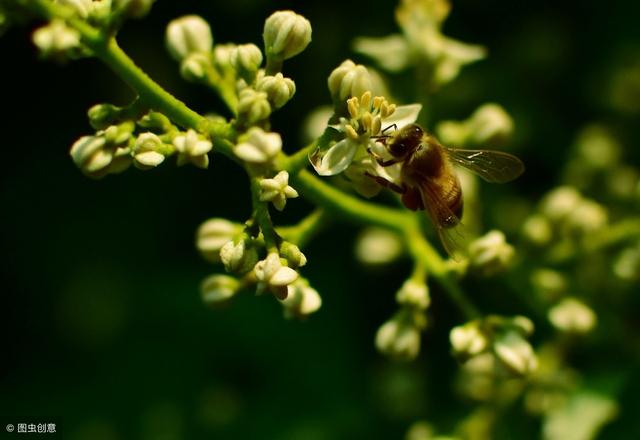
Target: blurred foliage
(103, 325)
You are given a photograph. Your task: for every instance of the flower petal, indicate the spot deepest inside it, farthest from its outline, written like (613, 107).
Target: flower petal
(404, 115)
(337, 158)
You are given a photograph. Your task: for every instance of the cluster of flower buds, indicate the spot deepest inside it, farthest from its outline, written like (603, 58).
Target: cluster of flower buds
(502, 340)
(399, 338)
(564, 213)
(121, 140)
(490, 254)
(235, 70)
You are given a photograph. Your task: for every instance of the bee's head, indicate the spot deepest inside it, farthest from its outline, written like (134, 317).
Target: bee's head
(406, 140)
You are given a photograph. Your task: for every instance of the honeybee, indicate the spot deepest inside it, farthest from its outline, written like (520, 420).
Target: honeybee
(429, 182)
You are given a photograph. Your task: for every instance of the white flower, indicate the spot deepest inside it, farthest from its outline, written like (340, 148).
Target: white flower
(368, 117)
(573, 316)
(277, 190)
(257, 146)
(192, 148)
(188, 34)
(56, 38)
(302, 300)
(272, 275)
(145, 151)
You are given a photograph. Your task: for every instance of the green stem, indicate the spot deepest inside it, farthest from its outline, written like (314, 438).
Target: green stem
(304, 231)
(298, 160)
(262, 217)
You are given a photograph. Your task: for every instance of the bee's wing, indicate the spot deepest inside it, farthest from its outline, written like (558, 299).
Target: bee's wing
(492, 166)
(450, 229)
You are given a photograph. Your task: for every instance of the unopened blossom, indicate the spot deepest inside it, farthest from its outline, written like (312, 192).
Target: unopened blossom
(572, 316)
(146, 151)
(239, 256)
(192, 148)
(515, 352)
(377, 245)
(279, 89)
(286, 34)
(490, 123)
(246, 60)
(302, 300)
(213, 234)
(92, 155)
(253, 106)
(491, 254)
(56, 38)
(399, 337)
(258, 146)
(414, 293)
(348, 80)
(468, 340)
(292, 253)
(272, 275)
(80, 7)
(277, 190)
(188, 34)
(217, 289)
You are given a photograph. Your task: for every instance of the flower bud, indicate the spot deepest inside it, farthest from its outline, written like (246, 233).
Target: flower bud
(246, 60)
(146, 151)
(627, 265)
(258, 146)
(491, 254)
(155, 121)
(414, 293)
(118, 135)
(277, 190)
(103, 115)
(188, 34)
(222, 55)
(572, 316)
(253, 106)
(194, 66)
(292, 253)
(548, 283)
(91, 155)
(239, 256)
(279, 89)
(121, 160)
(213, 234)
(56, 39)
(537, 230)
(192, 148)
(217, 289)
(468, 340)
(399, 338)
(134, 8)
(347, 80)
(275, 277)
(80, 7)
(377, 246)
(515, 353)
(588, 217)
(560, 202)
(286, 34)
(302, 300)
(489, 124)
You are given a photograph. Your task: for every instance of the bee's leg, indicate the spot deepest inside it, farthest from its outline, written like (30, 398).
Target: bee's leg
(380, 159)
(395, 128)
(386, 183)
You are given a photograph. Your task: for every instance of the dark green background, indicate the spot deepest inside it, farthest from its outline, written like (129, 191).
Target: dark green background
(102, 325)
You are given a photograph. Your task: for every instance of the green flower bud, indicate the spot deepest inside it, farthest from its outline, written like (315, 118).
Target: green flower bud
(146, 151)
(56, 39)
(121, 160)
(134, 8)
(103, 115)
(253, 106)
(246, 60)
(155, 121)
(347, 80)
(279, 89)
(399, 337)
(286, 34)
(258, 146)
(217, 289)
(378, 246)
(292, 253)
(572, 316)
(414, 293)
(118, 135)
(92, 156)
(222, 55)
(302, 300)
(588, 217)
(188, 34)
(491, 254)
(627, 265)
(239, 256)
(548, 283)
(194, 66)
(468, 340)
(213, 234)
